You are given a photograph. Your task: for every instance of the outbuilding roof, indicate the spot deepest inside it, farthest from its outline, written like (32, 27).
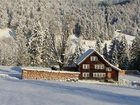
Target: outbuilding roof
(88, 53)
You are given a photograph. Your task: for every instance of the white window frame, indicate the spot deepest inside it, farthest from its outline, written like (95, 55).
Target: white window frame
(85, 74)
(99, 75)
(93, 58)
(99, 66)
(108, 69)
(86, 66)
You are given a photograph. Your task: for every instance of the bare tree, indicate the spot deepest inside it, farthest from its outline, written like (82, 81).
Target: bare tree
(57, 40)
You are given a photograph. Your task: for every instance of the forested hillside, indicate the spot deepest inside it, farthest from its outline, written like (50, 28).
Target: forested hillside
(43, 28)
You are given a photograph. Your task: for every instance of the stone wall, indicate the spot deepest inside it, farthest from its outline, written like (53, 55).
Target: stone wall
(49, 75)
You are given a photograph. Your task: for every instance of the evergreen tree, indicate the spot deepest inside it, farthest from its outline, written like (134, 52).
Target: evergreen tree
(114, 56)
(23, 58)
(44, 52)
(135, 53)
(36, 44)
(113, 53)
(123, 52)
(98, 46)
(105, 52)
(77, 30)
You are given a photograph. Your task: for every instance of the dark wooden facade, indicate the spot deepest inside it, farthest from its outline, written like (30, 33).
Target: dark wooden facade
(112, 74)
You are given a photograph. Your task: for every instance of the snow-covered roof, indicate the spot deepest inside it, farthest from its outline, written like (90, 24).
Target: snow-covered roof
(88, 53)
(45, 69)
(84, 56)
(36, 68)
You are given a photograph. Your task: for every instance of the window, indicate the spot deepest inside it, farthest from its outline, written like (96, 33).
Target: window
(94, 58)
(85, 74)
(86, 66)
(99, 66)
(99, 75)
(108, 69)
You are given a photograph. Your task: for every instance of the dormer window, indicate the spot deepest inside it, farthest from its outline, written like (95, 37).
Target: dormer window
(85, 66)
(93, 58)
(108, 69)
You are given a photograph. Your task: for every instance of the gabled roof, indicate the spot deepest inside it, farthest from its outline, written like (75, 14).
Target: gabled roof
(88, 53)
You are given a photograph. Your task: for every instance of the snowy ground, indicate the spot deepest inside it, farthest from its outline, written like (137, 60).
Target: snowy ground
(131, 77)
(10, 72)
(29, 92)
(21, 92)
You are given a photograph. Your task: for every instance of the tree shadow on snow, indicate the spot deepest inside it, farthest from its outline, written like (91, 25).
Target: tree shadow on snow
(18, 76)
(16, 68)
(4, 71)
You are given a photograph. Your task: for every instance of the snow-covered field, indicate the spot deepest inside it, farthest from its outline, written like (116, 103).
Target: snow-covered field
(33, 92)
(27, 92)
(131, 77)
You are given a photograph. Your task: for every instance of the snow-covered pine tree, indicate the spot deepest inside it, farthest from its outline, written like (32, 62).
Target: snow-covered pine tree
(98, 46)
(123, 52)
(113, 53)
(36, 44)
(23, 58)
(135, 53)
(105, 52)
(44, 54)
(114, 56)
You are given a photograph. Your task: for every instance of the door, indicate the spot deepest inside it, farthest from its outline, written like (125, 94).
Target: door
(109, 75)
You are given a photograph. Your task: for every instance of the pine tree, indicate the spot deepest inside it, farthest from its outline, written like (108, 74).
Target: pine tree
(98, 46)
(36, 44)
(77, 30)
(23, 58)
(123, 52)
(114, 56)
(135, 53)
(44, 53)
(113, 53)
(105, 52)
